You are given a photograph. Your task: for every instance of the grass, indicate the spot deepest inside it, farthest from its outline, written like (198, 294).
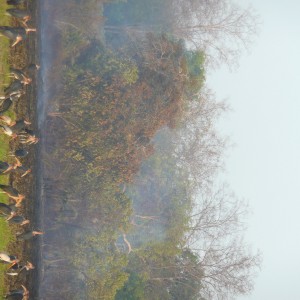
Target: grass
(4, 47)
(5, 232)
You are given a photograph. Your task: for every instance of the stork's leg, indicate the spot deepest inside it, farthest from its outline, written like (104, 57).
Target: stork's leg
(18, 40)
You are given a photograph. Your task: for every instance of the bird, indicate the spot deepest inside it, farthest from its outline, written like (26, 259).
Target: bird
(18, 294)
(5, 105)
(14, 95)
(20, 75)
(7, 210)
(18, 269)
(15, 296)
(29, 132)
(19, 125)
(17, 34)
(5, 167)
(15, 128)
(20, 153)
(8, 131)
(12, 193)
(14, 87)
(30, 138)
(15, 2)
(8, 258)
(32, 68)
(19, 220)
(21, 14)
(25, 170)
(28, 235)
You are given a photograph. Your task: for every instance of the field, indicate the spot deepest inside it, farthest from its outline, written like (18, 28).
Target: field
(5, 232)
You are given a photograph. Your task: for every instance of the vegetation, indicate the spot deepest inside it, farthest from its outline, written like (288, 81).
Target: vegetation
(4, 50)
(220, 28)
(6, 235)
(4, 47)
(133, 126)
(132, 154)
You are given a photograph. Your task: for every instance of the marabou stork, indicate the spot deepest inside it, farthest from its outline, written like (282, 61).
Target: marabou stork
(8, 131)
(19, 125)
(5, 167)
(20, 75)
(15, 129)
(18, 294)
(7, 210)
(28, 235)
(18, 269)
(12, 193)
(17, 34)
(31, 137)
(19, 220)
(5, 105)
(24, 169)
(13, 96)
(15, 2)
(15, 87)
(20, 153)
(31, 69)
(9, 259)
(21, 14)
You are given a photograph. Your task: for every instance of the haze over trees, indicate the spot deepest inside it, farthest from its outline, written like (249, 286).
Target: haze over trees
(134, 126)
(220, 28)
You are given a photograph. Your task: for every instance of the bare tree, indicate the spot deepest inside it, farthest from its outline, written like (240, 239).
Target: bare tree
(213, 262)
(218, 27)
(199, 147)
(215, 235)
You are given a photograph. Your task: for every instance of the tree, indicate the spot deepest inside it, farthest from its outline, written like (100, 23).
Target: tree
(133, 290)
(215, 238)
(219, 28)
(211, 261)
(198, 146)
(107, 115)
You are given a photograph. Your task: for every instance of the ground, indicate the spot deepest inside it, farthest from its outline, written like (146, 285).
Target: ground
(17, 57)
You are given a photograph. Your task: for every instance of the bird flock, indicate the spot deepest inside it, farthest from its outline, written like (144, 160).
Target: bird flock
(24, 136)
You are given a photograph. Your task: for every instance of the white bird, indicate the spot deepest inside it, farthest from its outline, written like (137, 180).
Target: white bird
(7, 258)
(8, 131)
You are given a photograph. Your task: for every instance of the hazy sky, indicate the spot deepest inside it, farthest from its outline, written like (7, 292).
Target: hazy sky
(264, 166)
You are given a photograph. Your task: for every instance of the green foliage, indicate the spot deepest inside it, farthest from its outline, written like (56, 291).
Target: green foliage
(133, 289)
(73, 41)
(129, 74)
(133, 197)
(110, 107)
(194, 66)
(103, 269)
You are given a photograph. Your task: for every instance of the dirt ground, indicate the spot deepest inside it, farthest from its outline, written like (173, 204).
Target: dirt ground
(23, 54)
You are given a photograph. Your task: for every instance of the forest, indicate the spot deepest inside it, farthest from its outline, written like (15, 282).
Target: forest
(134, 151)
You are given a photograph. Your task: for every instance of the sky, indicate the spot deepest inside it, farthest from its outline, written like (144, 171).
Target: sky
(264, 165)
